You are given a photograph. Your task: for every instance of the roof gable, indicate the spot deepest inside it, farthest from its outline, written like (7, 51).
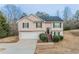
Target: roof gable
(31, 17)
(24, 18)
(34, 18)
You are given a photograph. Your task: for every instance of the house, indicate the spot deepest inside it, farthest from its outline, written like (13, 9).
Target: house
(31, 26)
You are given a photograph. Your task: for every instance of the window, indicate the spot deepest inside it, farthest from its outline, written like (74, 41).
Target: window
(57, 33)
(39, 25)
(25, 25)
(56, 25)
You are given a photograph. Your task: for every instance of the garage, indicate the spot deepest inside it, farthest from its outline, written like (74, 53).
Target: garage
(29, 35)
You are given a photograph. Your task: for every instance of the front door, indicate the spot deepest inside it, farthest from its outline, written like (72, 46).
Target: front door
(48, 30)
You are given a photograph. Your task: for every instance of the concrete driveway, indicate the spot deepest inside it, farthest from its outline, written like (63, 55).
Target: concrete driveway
(23, 46)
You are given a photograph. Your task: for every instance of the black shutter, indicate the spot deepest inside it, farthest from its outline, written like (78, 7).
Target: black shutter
(41, 24)
(36, 25)
(60, 25)
(53, 25)
(23, 25)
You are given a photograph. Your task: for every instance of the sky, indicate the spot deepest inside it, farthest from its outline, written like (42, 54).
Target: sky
(51, 9)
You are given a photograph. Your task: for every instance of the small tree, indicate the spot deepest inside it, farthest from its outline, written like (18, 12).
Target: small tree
(4, 27)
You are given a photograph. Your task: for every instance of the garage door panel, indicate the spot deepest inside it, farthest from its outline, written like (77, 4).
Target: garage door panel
(29, 35)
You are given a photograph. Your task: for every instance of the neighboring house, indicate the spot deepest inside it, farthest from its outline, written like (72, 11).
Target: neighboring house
(31, 26)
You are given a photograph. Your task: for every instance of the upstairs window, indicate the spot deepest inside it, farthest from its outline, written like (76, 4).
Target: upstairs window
(56, 25)
(25, 25)
(38, 24)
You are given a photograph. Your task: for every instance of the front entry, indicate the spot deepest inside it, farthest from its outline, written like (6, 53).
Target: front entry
(49, 35)
(48, 30)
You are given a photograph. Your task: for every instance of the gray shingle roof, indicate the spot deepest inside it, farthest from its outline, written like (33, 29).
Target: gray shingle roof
(51, 18)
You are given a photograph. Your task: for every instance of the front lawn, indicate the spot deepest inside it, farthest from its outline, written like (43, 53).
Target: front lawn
(10, 39)
(70, 44)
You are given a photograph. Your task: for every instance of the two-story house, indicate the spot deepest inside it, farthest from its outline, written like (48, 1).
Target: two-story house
(31, 26)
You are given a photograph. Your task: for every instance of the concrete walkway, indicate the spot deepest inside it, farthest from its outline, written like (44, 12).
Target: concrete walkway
(24, 46)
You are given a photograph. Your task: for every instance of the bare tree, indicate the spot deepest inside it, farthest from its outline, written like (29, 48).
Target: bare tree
(67, 13)
(76, 15)
(13, 14)
(57, 13)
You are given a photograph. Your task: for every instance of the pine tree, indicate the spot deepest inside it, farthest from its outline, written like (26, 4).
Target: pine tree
(4, 27)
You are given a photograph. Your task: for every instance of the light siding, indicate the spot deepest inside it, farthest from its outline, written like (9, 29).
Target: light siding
(32, 32)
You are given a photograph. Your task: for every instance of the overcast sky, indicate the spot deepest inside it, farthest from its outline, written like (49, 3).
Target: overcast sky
(48, 8)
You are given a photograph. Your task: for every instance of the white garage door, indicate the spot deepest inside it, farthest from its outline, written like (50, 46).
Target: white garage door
(29, 35)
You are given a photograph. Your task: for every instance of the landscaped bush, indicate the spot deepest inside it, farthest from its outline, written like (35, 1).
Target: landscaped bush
(61, 38)
(43, 37)
(57, 38)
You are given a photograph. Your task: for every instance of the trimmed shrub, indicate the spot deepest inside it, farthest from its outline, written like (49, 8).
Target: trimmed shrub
(61, 38)
(43, 37)
(56, 38)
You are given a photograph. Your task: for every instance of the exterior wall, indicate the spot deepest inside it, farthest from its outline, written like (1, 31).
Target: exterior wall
(32, 32)
(61, 33)
(20, 25)
(32, 26)
(50, 25)
(29, 33)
